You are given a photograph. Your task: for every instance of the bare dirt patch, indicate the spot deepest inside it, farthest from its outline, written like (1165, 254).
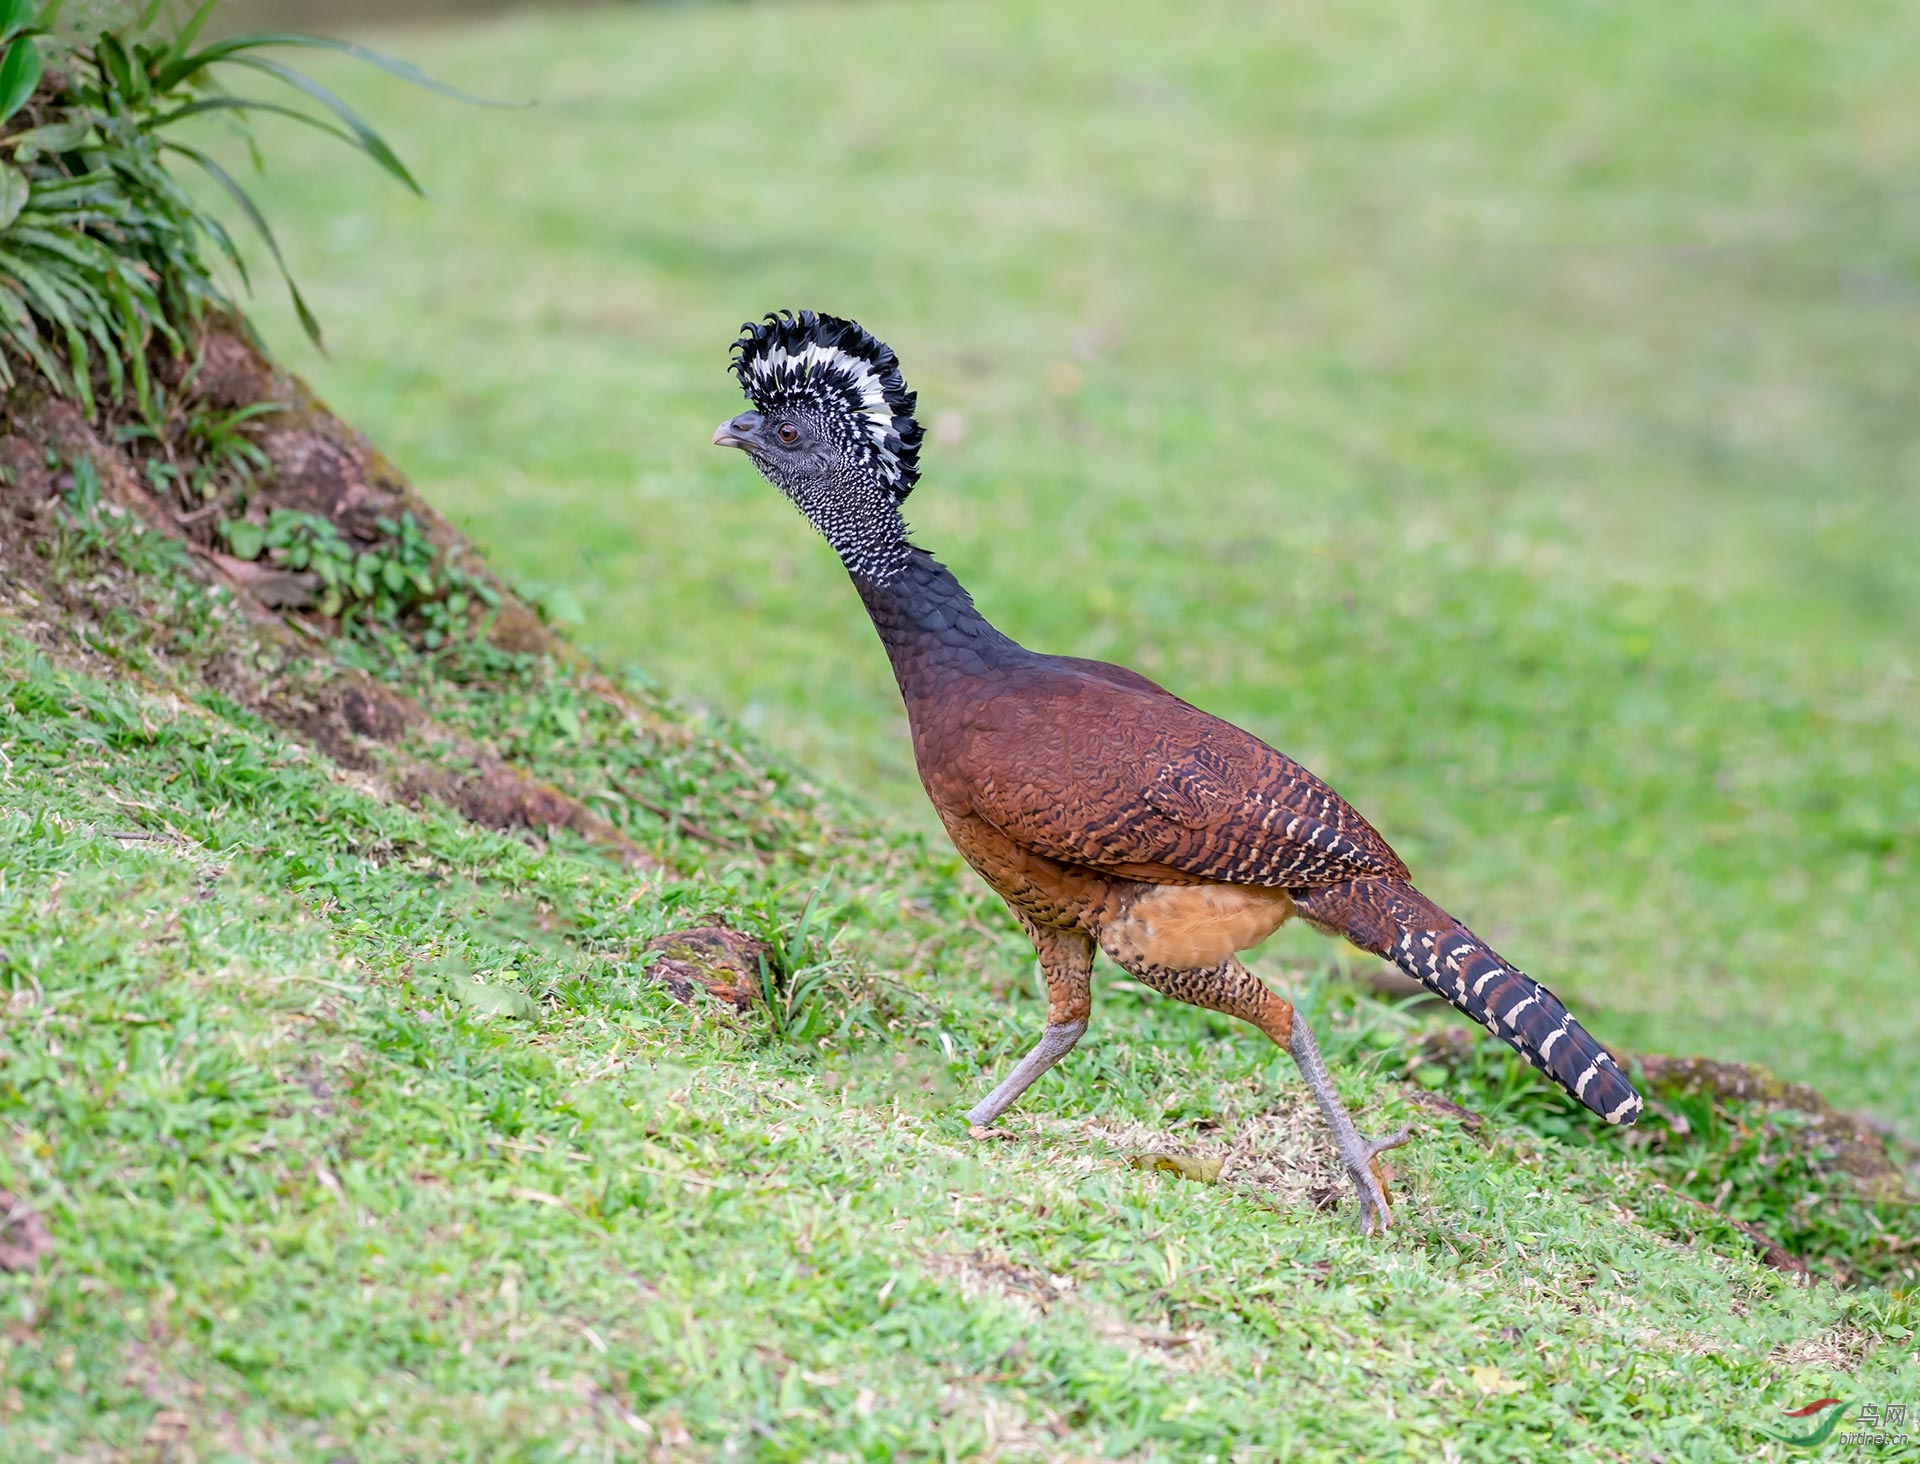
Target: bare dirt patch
(1280, 1154)
(284, 669)
(1037, 1293)
(24, 1238)
(1842, 1348)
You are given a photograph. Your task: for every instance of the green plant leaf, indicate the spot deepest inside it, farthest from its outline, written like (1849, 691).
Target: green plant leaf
(371, 142)
(55, 137)
(85, 493)
(172, 74)
(200, 218)
(248, 413)
(796, 945)
(249, 104)
(484, 1000)
(130, 82)
(239, 195)
(46, 294)
(13, 194)
(88, 255)
(245, 539)
(189, 33)
(96, 192)
(15, 16)
(98, 321)
(562, 607)
(19, 75)
(107, 253)
(21, 330)
(134, 336)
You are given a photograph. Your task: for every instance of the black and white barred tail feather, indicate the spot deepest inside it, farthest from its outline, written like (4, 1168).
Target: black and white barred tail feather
(1393, 919)
(1521, 1012)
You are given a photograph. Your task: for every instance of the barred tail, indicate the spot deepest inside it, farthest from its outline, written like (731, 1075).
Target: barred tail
(1392, 919)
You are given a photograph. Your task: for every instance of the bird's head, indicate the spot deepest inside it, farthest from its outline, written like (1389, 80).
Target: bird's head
(832, 427)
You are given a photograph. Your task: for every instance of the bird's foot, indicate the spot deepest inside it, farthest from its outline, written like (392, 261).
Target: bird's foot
(1360, 1154)
(1362, 1158)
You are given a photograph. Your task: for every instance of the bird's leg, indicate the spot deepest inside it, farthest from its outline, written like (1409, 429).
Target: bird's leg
(1231, 988)
(1066, 960)
(1360, 1155)
(1055, 1043)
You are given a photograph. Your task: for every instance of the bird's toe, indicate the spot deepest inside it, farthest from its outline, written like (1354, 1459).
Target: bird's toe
(1370, 1183)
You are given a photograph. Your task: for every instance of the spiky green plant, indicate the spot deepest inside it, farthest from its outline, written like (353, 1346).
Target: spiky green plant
(104, 256)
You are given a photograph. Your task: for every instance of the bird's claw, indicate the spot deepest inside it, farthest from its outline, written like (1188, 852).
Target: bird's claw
(1362, 1165)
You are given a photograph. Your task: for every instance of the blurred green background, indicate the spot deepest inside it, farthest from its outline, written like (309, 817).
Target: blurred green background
(1507, 409)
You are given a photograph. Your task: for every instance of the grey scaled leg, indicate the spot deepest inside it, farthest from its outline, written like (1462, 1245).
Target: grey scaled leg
(1231, 988)
(1066, 960)
(1357, 1153)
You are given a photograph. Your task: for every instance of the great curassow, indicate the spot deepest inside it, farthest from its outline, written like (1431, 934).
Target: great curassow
(1108, 813)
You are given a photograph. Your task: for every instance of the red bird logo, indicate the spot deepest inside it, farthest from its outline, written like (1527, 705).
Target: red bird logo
(1820, 1434)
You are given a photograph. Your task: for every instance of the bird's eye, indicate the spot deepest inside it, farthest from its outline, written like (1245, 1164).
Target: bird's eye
(789, 434)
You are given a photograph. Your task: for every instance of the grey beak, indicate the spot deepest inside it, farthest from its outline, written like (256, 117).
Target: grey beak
(742, 431)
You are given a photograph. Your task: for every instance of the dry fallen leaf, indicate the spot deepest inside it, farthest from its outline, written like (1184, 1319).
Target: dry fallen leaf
(484, 1000)
(1492, 1380)
(1200, 1171)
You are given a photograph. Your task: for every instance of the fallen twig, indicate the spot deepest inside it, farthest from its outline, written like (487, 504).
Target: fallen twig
(687, 826)
(1771, 1251)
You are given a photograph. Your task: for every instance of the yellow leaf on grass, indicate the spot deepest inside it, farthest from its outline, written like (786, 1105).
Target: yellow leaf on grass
(1492, 1380)
(1200, 1171)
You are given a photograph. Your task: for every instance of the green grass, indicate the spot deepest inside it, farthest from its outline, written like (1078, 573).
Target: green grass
(1505, 409)
(308, 1199)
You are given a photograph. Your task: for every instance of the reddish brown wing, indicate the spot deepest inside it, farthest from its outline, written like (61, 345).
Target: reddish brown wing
(1097, 766)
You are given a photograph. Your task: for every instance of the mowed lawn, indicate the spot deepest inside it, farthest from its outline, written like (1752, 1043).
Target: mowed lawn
(1508, 410)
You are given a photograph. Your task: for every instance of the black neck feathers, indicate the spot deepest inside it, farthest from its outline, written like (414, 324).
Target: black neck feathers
(928, 624)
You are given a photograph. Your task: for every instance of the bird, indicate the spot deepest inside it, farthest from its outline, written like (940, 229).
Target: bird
(1108, 813)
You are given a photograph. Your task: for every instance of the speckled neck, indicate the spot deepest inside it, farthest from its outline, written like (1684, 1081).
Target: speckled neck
(927, 622)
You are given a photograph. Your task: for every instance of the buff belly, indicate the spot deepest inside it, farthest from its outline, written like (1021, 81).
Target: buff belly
(1193, 927)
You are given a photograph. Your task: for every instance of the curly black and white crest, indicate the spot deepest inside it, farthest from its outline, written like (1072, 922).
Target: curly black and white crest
(849, 382)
